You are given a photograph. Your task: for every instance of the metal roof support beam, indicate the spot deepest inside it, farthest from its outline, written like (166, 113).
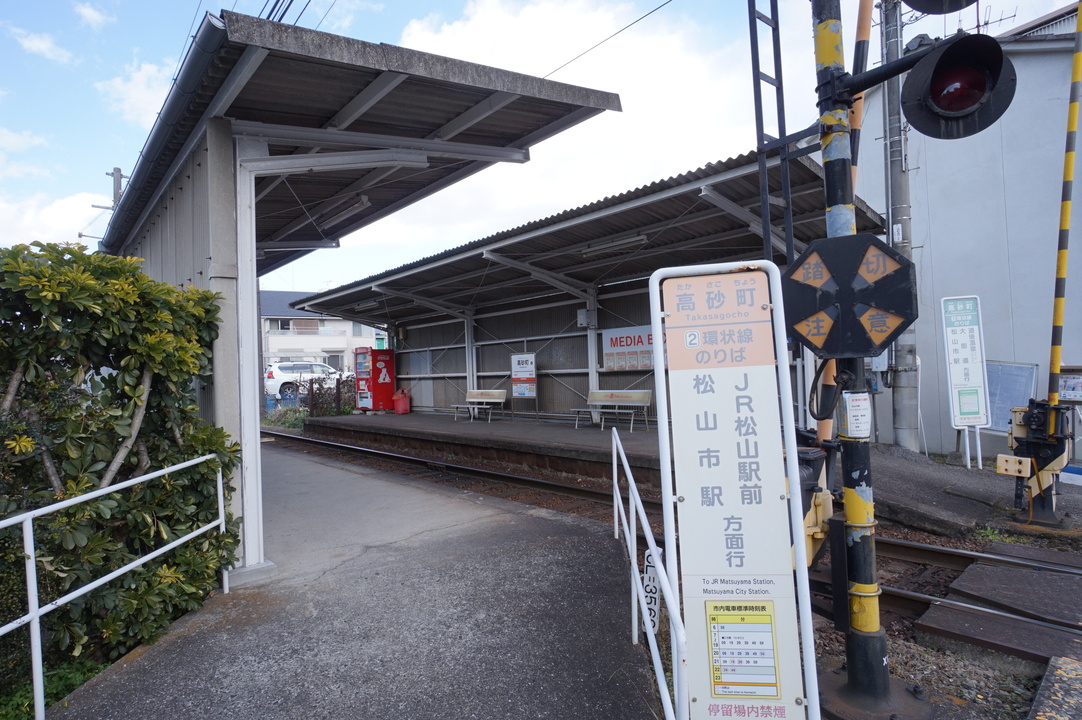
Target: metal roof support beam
(474, 115)
(579, 290)
(729, 174)
(373, 93)
(329, 162)
(318, 137)
(365, 99)
(740, 212)
(298, 245)
(455, 311)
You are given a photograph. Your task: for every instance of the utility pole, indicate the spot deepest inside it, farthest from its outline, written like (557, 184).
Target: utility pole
(904, 376)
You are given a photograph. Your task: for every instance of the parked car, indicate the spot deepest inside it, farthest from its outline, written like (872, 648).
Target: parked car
(285, 377)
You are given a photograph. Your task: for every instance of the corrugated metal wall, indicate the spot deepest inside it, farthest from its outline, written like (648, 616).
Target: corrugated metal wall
(431, 359)
(174, 243)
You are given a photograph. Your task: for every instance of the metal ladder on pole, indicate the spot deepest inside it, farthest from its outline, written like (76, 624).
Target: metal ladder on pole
(767, 143)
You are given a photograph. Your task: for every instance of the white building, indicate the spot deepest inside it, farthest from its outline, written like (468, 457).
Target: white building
(985, 222)
(290, 334)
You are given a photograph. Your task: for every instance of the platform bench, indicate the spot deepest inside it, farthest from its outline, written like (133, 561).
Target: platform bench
(616, 403)
(481, 400)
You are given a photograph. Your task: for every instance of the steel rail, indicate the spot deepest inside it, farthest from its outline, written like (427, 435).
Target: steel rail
(914, 604)
(599, 496)
(957, 559)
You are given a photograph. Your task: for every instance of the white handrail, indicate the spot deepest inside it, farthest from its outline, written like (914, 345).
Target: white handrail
(637, 514)
(35, 613)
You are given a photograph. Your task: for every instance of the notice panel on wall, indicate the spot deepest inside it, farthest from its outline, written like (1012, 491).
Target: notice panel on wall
(523, 375)
(1070, 384)
(1010, 385)
(736, 562)
(630, 348)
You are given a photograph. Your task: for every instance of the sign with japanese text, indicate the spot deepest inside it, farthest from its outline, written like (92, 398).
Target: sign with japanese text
(523, 376)
(849, 296)
(630, 348)
(966, 373)
(736, 561)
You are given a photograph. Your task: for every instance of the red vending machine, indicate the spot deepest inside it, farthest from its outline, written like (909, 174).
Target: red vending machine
(375, 379)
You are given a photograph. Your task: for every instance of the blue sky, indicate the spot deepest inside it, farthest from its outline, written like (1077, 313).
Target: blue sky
(83, 82)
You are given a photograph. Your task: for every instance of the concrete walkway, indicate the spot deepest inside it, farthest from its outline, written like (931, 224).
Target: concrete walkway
(397, 599)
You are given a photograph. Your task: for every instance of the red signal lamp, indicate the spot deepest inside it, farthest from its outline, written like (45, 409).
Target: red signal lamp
(959, 88)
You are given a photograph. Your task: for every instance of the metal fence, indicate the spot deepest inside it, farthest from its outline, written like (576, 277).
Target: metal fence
(36, 611)
(643, 600)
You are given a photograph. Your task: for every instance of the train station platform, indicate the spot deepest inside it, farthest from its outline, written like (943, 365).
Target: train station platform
(909, 488)
(395, 598)
(521, 440)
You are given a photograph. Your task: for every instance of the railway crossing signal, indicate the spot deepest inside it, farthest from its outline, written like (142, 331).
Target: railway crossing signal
(961, 87)
(849, 296)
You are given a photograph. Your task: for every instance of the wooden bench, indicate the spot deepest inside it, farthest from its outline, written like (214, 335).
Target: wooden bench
(616, 403)
(481, 400)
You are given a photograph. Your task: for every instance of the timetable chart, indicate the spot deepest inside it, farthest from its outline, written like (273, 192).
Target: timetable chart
(742, 649)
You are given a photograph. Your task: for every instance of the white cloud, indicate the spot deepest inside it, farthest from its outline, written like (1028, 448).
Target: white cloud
(41, 44)
(686, 100)
(18, 142)
(13, 142)
(53, 220)
(138, 94)
(91, 16)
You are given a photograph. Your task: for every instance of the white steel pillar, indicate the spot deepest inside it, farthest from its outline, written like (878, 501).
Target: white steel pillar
(471, 353)
(247, 332)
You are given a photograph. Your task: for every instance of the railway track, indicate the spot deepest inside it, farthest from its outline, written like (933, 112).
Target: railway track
(999, 600)
(996, 623)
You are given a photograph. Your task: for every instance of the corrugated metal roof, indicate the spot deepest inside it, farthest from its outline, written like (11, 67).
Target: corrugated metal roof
(664, 224)
(307, 93)
(1058, 22)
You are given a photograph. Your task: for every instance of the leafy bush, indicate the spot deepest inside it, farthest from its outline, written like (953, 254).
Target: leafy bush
(331, 396)
(99, 366)
(287, 417)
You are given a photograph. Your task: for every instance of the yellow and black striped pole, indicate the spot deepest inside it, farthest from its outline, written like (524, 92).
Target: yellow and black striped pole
(1056, 357)
(860, 64)
(866, 644)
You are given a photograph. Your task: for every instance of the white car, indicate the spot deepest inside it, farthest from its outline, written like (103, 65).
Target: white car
(284, 378)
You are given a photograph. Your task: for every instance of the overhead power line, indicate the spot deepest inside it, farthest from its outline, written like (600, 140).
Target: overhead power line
(610, 37)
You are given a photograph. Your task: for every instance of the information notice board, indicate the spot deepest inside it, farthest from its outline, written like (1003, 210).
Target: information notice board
(1009, 385)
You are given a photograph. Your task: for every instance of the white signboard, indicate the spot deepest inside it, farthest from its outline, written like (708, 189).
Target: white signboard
(965, 361)
(630, 348)
(523, 376)
(736, 559)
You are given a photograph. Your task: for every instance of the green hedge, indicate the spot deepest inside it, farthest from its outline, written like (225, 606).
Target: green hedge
(99, 366)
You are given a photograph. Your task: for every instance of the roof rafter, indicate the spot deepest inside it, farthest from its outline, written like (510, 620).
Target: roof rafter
(463, 313)
(562, 282)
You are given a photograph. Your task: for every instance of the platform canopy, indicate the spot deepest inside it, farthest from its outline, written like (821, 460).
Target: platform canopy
(708, 215)
(357, 130)
(277, 140)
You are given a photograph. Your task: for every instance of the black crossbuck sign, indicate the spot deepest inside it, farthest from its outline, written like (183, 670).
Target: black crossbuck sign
(849, 296)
